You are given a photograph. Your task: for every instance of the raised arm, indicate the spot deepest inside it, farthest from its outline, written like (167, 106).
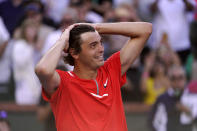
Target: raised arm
(45, 69)
(138, 32)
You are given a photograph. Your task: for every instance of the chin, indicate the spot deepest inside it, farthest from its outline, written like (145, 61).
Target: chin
(100, 64)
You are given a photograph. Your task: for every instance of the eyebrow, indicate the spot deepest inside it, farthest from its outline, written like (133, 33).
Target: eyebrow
(94, 42)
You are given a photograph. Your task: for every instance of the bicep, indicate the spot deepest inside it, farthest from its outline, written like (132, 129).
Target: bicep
(50, 84)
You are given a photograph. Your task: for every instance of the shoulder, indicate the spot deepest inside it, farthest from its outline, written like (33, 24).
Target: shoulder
(112, 64)
(64, 75)
(165, 97)
(114, 58)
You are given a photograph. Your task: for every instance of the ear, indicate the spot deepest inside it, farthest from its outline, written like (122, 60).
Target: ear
(73, 53)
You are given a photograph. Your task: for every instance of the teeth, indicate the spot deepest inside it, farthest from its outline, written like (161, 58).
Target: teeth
(99, 57)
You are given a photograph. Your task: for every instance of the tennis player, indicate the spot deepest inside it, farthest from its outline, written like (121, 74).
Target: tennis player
(89, 98)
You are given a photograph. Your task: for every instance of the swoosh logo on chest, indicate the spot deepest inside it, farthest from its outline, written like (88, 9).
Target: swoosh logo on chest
(99, 96)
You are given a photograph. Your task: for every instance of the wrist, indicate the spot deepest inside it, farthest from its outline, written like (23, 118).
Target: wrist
(96, 27)
(62, 43)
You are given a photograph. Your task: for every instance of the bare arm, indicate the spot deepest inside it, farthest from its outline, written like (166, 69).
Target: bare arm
(138, 32)
(45, 69)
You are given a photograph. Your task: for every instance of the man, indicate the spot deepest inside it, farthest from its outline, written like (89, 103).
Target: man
(165, 115)
(88, 98)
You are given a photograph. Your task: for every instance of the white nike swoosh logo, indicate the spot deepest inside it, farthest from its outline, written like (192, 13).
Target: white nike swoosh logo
(98, 96)
(105, 84)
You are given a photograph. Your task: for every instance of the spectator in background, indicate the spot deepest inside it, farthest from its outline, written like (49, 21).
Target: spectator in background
(85, 11)
(154, 78)
(117, 3)
(143, 10)
(154, 81)
(102, 7)
(165, 53)
(188, 99)
(170, 16)
(27, 85)
(11, 12)
(55, 9)
(5, 62)
(165, 114)
(34, 12)
(191, 65)
(4, 123)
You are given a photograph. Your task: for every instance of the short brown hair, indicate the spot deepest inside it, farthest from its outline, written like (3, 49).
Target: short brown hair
(75, 40)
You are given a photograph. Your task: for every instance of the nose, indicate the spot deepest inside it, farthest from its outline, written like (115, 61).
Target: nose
(101, 48)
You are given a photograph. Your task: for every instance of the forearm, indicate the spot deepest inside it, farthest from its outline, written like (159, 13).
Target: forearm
(130, 29)
(49, 61)
(138, 33)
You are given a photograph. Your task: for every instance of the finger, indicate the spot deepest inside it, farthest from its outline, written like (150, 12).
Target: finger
(70, 27)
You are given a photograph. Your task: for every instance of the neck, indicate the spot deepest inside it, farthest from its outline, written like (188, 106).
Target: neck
(85, 73)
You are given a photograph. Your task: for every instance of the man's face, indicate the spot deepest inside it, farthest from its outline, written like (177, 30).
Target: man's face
(92, 50)
(178, 79)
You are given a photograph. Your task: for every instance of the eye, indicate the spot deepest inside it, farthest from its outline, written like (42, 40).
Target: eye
(93, 45)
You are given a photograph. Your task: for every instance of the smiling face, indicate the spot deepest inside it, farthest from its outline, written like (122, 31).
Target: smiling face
(92, 50)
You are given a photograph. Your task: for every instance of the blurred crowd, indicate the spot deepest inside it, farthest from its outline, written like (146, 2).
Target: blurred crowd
(164, 76)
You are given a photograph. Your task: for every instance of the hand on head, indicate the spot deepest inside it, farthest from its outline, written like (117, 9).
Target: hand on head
(66, 33)
(65, 37)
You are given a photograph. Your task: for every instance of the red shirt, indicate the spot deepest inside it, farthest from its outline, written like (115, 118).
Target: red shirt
(90, 105)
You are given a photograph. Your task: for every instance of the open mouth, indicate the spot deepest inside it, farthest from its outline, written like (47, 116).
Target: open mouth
(100, 58)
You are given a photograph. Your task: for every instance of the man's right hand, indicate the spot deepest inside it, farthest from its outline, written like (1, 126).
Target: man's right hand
(65, 37)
